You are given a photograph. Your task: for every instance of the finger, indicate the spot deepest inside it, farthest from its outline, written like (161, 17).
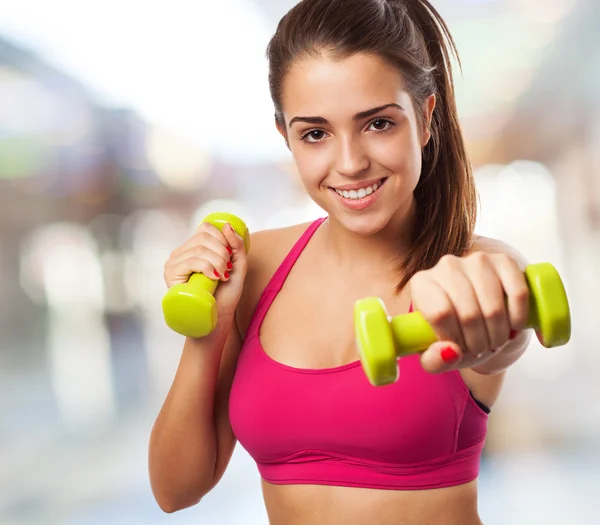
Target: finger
(217, 266)
(206, 243)
(460, 291)
(516, 290)
(433, 303)
(181, 272)
(441, 357)
(489, 293)
(204, 230)
(235, 242)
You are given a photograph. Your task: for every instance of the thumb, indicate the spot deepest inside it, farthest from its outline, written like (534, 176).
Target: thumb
(441, 357)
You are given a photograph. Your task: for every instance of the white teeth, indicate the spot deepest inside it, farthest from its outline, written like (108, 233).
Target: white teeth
(359, 194)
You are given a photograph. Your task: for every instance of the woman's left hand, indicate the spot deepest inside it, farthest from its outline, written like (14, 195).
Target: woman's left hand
(475, 304)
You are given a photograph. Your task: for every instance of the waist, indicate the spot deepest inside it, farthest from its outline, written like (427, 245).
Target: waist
(324, 505)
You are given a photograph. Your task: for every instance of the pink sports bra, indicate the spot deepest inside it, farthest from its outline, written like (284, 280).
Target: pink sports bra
(332, 427)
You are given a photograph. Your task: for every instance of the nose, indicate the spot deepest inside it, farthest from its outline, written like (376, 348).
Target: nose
(351, 158)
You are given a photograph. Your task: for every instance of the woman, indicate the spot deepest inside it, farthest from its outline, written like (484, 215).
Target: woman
(364, 99)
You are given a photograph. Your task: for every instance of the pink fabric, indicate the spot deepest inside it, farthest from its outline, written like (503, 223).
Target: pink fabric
(331, 427)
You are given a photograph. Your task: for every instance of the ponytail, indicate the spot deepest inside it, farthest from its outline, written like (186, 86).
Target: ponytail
(446, 196)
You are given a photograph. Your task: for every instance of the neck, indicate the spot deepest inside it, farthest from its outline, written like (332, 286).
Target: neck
(352, 250)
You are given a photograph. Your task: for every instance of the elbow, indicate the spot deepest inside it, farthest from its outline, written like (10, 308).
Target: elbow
(172, 499)
(171, 504)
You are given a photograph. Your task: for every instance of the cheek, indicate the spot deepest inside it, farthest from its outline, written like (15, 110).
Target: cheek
(312, 165)
(401, 155)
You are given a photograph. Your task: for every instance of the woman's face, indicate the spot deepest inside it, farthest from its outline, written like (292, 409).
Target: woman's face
(355, 138)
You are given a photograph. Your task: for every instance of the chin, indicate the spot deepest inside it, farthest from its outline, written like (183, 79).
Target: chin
(364, 224)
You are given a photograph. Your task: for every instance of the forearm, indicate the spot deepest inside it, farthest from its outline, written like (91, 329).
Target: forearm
(183, 442)
(505, 356)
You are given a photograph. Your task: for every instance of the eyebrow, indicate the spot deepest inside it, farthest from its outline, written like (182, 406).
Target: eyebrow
(359, 116)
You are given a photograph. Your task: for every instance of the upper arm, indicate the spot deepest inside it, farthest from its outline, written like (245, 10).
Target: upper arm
(225, 437)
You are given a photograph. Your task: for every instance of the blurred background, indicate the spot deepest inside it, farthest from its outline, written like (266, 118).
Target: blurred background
(122, 123)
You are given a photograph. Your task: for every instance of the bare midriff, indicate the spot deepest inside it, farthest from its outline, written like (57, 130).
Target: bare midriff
(329, 505)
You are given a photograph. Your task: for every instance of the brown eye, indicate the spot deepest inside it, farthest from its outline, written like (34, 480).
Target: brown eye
(380, 124)
(315, 135)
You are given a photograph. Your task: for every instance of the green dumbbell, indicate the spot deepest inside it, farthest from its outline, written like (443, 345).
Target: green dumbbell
(190, 308)
(382, 339)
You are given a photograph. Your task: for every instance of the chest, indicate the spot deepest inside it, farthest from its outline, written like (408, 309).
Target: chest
(279, 412)
(310, 323)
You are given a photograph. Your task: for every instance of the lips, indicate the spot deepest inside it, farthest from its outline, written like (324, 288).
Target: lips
(358, 186)
(358, 191)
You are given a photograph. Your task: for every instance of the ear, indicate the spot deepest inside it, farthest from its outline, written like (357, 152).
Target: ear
(282, 131)
(427, 112)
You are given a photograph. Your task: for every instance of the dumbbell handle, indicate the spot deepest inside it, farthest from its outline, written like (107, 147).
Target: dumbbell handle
(413, 334)
(200, 281)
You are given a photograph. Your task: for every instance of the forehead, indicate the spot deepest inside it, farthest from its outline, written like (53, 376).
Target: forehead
(325, 87)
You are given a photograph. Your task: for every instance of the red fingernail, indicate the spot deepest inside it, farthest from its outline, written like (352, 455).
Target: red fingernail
(229, 250)
(226, 275)
(513, 334)
(229, 266)
(217, 273)
(449, 355)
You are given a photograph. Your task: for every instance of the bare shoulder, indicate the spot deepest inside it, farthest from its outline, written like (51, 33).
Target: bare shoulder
(268, 249)
(491, 245)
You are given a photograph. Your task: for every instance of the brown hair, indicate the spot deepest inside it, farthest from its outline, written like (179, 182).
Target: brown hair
(412, 36)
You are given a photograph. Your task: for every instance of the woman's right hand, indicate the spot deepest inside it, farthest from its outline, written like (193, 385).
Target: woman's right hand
(219, 256)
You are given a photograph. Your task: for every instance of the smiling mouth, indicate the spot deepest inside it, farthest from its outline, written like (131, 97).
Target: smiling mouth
(360, 193)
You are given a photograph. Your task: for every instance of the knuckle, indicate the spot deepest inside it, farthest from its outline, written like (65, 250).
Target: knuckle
(504, 258)
(419, 278)
(521, 293)
(496, 313)
(470, 318)
(203, 237)
(439, 316)
(479, 259)
(200, 250)
(449, 260)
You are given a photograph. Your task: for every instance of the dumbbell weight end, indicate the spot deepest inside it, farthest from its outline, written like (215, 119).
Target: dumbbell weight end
(190, 308)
